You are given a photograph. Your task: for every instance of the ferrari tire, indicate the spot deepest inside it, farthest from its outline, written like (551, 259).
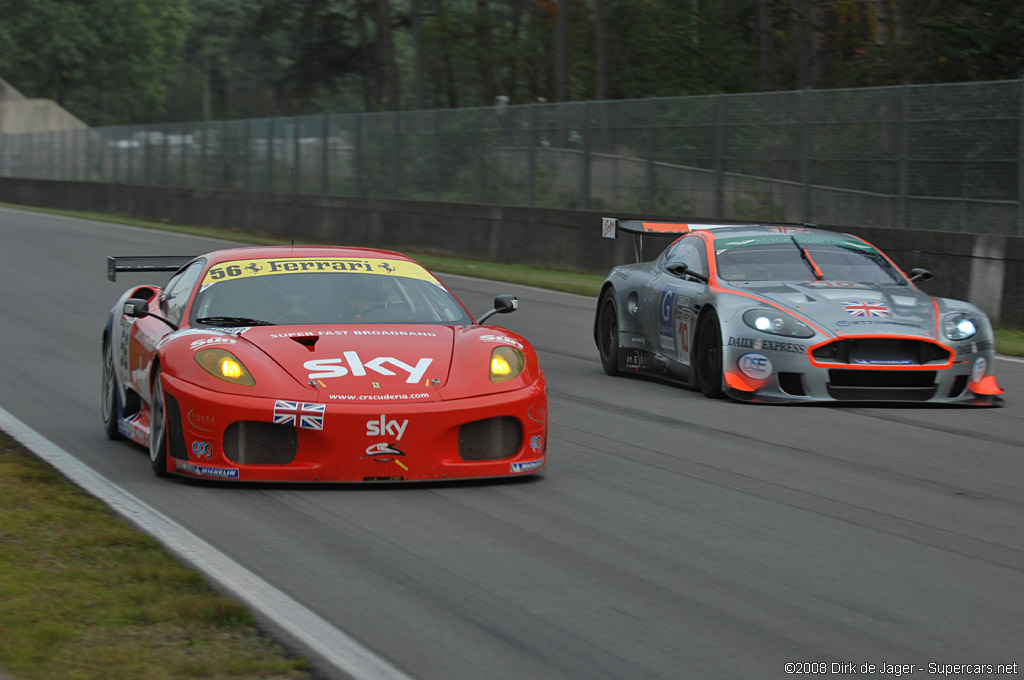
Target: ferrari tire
(608, 333)
(108, 393)
(158, 428)
(709, 357)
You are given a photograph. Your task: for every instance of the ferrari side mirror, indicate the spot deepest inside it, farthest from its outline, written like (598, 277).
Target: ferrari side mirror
(503, 304)
(136, 308)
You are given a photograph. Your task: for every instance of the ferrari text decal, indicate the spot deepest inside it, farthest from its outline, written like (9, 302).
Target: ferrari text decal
(240, 269)
(333, 368)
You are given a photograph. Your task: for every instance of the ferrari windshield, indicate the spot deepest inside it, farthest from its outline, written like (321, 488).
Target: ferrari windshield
(292, 291)
(787, 259)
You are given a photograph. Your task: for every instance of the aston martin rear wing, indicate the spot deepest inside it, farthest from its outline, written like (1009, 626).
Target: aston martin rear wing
(145, 263)
(611, 226)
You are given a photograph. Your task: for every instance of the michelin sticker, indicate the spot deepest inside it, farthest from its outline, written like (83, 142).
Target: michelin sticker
(528, 466)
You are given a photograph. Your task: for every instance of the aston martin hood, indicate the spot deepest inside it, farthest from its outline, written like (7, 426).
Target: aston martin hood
(847, 308)
(361, 363)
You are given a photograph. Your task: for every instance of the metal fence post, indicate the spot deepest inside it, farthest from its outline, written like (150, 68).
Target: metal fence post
(325, 132)
(904, 178)
(396, 155)
(652, 150)
(1020, 162)
(531, 154)
(270, 154)
(246, 155)
(296, 155)
(479, 188)
(719, 162)
(585, 159)
(803, 105)
(358, 135)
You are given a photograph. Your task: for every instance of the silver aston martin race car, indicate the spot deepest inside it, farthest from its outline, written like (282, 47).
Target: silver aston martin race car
(788, 313)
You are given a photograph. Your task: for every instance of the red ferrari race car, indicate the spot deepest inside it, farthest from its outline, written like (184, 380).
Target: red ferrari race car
(317, 364)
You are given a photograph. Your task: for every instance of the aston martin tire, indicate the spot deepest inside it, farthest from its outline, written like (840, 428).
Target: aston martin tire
(108, 393)
(158, 428)
(709, 357)
(608, 333)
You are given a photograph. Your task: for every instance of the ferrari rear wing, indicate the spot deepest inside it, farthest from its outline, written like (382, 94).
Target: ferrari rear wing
(145, 263)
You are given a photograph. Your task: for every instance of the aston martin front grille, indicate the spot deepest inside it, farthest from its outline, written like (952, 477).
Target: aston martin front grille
(490, 439)
(882, 352)
(881, 385)
(250, 442)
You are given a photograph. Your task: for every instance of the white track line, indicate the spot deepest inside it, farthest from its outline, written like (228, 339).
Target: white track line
(332, 645)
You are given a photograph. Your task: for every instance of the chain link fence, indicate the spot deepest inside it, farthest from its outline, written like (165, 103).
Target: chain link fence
(939, 157)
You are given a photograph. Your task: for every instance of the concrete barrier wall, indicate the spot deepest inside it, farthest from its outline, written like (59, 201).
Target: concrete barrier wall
(987, 270)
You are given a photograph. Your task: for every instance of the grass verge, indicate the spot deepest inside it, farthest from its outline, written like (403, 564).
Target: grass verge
(83, 594)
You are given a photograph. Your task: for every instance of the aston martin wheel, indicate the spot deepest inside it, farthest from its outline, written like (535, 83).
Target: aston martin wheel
(158, 428)
(608, 333)
(709, 357)
(108, 392)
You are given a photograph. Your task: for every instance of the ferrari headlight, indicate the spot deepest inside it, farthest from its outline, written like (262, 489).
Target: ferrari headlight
(777, 322)
(959, 326)
(506, 363)
(222, 364)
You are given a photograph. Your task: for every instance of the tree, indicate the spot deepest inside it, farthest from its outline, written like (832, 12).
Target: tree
(104, 60)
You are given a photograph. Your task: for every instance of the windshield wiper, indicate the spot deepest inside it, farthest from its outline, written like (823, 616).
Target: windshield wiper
(233, 321)
(807, 258)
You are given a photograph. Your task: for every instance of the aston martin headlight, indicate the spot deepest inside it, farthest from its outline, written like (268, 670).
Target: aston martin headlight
(222, 364)
(506, 363)
(959, 326)
(777, 322)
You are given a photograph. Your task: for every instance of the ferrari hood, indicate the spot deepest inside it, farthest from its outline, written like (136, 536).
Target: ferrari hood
(361, 363)
(847, 308)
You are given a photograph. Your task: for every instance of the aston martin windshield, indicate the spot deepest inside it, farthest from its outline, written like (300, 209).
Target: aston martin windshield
(326, 291)
(786, 259)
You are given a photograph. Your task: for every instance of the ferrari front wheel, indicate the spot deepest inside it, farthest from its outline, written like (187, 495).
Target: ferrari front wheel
(108, 393)
(608, 333)
(158, 428)
(709, 357)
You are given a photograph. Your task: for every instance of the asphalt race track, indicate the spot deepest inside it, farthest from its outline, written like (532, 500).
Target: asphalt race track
(671, 537)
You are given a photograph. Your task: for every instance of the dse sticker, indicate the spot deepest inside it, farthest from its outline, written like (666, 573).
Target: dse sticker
(755, 366)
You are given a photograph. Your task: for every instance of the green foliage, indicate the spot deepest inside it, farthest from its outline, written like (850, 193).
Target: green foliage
(105, 60)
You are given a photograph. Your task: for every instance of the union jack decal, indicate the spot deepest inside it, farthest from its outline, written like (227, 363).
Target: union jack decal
(299, 414)
(863, 308)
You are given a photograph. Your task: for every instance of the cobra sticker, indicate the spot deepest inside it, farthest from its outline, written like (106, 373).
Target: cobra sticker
(755, 366)
(243, 269)
(665, 317)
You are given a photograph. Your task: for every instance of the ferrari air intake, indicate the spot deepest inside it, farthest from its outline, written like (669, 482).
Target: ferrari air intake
(490, 439)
